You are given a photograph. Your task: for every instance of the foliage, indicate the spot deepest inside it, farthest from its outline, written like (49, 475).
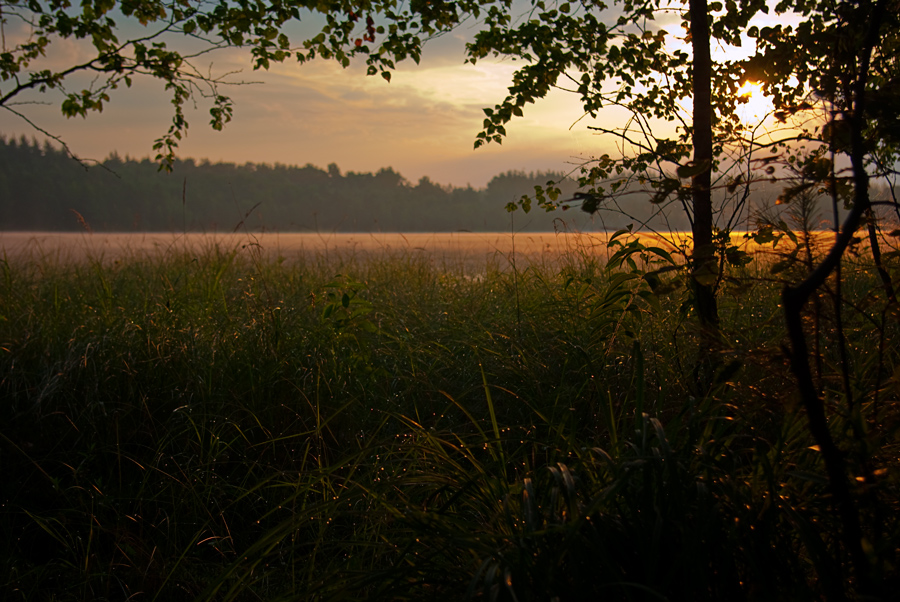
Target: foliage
(617, 56)
(846, 57)
(165, 40)
(38, 29)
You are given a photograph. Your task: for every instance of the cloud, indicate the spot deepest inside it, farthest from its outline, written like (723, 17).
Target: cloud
(421, 123)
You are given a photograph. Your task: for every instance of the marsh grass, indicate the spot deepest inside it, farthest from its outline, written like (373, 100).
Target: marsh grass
(218, 424)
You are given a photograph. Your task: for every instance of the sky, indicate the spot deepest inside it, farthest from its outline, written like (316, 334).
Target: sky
(422, 123)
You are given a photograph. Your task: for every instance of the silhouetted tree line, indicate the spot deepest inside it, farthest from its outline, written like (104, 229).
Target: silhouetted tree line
(41, 188)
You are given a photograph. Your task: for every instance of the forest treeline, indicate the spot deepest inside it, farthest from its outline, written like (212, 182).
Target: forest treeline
(42, 188)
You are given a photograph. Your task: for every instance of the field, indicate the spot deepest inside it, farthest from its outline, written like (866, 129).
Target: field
(469, 252)
(458, 251)
(242, 419)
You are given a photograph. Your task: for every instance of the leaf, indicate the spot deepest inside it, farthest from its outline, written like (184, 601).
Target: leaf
(737, 257)
(763, 236)
(692, 169)
(622, 232)
(590, 203)
(780, 266)
(661, 253)
(788, 194)
(666, 187)
(838, 132)
(732, 186)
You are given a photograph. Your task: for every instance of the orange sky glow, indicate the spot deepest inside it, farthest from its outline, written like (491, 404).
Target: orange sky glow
(422, 123)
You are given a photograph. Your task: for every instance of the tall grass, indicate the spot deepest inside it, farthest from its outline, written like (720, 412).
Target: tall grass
(212, 424)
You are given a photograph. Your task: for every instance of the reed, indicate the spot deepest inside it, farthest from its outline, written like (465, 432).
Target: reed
(220, 424)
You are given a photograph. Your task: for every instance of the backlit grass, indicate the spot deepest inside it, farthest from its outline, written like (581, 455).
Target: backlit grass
(217, 424)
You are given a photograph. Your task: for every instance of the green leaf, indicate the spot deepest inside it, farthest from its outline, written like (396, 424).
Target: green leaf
(660, 252)
(692, 169)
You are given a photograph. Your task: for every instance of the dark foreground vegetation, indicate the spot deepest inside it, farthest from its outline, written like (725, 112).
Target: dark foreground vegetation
(207, 425)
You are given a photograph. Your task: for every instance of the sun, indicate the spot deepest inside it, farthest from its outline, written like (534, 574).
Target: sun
(753, 106)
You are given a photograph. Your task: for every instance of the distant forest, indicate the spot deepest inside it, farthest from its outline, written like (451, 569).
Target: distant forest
(42, 188)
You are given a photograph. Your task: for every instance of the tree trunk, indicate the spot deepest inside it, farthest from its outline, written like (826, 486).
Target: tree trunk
(704, 262)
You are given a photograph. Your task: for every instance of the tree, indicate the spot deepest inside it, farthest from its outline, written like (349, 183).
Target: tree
(618, 57)
(844, 57)
(592, 45)
(166, 40)
(842, 54)
(126, 40)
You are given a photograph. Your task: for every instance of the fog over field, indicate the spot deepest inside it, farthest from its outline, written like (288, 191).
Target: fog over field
(469, 253)
(466, 251)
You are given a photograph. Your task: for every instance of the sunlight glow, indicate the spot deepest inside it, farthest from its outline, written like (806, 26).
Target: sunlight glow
(754, 105)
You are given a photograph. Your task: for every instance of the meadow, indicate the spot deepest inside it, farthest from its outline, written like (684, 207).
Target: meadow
(234, 421)
(468, 252)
